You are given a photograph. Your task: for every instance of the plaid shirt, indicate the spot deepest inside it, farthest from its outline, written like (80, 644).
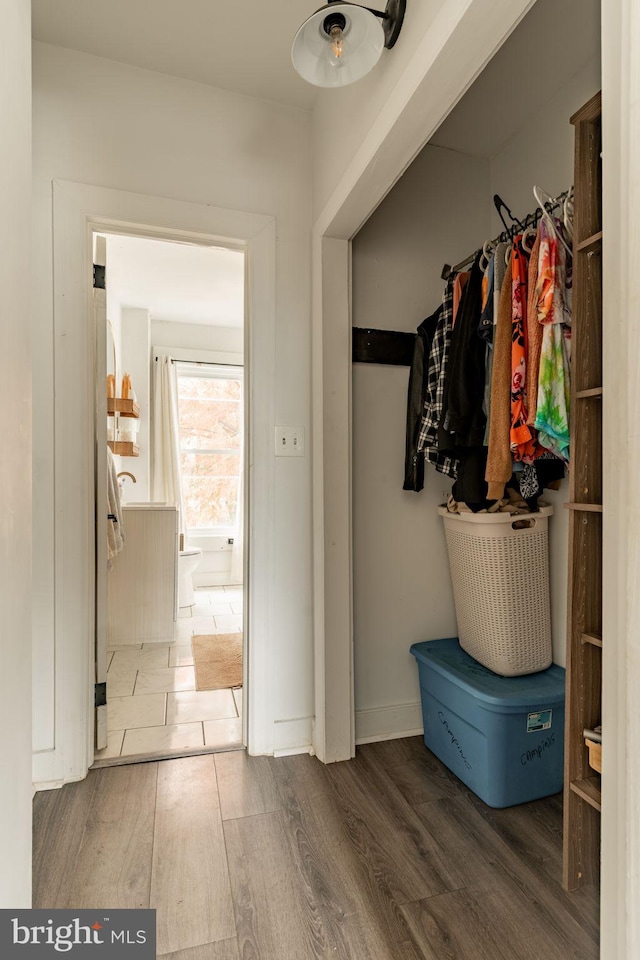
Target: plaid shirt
(434, 394)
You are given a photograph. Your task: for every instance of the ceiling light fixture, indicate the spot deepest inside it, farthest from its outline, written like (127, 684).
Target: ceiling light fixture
(341, 42)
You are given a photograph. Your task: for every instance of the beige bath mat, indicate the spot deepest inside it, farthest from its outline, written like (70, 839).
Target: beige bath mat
(218, 660)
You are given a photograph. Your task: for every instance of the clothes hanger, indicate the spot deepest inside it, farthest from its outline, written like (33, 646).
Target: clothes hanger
(499, 204)
(529, 235)
(488, 251)
(543, 198)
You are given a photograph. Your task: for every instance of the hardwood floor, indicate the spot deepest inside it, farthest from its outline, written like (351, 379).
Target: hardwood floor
(384, 857)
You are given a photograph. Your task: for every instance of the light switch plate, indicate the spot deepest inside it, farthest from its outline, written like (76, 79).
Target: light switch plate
(289, 441)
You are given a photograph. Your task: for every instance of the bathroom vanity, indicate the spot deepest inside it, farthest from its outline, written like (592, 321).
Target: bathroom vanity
(142, 595)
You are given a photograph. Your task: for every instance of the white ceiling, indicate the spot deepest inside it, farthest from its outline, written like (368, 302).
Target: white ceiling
(240, 45)
(179, 282)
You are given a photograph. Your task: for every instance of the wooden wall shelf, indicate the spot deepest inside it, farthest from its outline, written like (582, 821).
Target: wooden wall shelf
(588, 394)
(593, 638)
(589, 790)
(591, 243)
(125, 408)
(124, 448)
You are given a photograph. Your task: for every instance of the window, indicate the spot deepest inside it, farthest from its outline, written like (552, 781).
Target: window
(210, 420)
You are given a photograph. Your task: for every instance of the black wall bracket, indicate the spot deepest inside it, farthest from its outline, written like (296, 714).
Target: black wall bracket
(382, 346)
(100, 694)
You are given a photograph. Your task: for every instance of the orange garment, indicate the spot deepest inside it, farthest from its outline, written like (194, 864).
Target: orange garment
(499, 462)
(459, 284)
(534, 334)
(522, 439)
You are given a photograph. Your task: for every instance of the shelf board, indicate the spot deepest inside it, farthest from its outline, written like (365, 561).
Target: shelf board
(125, 408)
(590, 243)
(592, 392)
(589, 790)
(584, 507)
(124, 448)
(594, 638)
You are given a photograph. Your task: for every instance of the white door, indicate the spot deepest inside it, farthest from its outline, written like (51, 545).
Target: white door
(100, 360)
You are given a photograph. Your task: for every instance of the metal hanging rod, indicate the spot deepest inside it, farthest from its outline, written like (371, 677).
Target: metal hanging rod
(203, 363)
(509, 233)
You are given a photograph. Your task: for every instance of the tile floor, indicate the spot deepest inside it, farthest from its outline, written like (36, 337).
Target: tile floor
(153, 706)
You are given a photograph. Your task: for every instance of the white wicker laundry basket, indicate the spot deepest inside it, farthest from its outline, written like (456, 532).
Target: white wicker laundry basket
(500, 573)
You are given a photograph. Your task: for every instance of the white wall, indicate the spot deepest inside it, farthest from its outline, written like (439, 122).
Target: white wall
(197, 336)
(541, 151)
(15, 464)
(402, 588)
(343, 117)
(108, 124)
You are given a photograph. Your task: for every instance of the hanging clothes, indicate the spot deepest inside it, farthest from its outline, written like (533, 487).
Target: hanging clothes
(499, 465)
(534, 334)
(553, 294)
(459, 284)
(461, 431)
(418, 378)
(463, 420)
(522, 441)
(495, 408)
(434, 394)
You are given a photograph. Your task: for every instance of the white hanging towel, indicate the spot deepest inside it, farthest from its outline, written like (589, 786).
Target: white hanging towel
(115, 524)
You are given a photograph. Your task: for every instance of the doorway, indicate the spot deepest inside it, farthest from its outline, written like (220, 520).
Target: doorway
(170, 626)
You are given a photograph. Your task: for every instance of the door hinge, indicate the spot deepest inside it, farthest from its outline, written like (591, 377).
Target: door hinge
(100, 694)
(99, 278)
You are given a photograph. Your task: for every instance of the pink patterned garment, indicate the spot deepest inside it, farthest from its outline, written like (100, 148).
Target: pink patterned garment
(522, 439)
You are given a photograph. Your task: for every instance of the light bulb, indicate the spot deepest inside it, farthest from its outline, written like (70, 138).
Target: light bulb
(336, 46)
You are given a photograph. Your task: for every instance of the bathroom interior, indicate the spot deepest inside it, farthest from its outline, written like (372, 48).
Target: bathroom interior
(173, 579)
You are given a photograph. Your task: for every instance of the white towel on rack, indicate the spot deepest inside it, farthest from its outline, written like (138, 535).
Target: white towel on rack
(115, 527)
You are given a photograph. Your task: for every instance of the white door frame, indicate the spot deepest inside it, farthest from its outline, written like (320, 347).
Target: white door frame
(466, 36)
(458, 45)
(78, 210)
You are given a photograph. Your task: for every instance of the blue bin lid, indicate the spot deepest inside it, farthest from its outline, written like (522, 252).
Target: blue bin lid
(449, 659)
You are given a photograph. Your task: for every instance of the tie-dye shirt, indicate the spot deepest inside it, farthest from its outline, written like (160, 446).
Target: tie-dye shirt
(553, 299)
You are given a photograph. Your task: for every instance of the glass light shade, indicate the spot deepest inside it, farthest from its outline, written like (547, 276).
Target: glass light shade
(363, 42)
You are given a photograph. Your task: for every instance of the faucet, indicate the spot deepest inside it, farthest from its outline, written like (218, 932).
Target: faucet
(125, 473)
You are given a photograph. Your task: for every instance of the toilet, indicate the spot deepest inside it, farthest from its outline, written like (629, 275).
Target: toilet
(187, 564)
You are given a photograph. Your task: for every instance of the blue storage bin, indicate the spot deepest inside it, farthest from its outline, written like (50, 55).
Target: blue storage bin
(502, 736)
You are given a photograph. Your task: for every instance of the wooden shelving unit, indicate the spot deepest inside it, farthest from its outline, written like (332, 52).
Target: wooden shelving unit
(584, 628)
(124, 408)
(124, 448)
(117, 407)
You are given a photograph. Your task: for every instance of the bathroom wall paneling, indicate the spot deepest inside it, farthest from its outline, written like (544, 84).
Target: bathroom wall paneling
(142, 584)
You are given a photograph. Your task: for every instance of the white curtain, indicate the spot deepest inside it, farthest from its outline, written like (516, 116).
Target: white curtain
(166, 481)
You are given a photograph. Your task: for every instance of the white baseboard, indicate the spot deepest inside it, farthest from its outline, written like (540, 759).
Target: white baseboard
(389, 722)
(292, 736)
(45, 770)
(292, 751)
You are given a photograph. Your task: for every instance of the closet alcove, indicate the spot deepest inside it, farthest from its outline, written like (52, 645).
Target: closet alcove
(510, 131)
